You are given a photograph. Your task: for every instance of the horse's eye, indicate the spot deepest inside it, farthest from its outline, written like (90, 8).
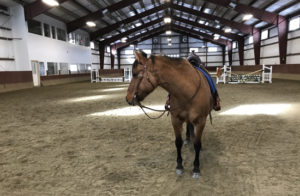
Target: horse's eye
(134, 75)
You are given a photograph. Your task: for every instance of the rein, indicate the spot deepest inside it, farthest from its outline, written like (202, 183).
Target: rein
(163, 111)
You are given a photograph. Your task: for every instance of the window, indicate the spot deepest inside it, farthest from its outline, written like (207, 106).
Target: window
(61, 34)
(234, 45)
(250, 40)
(212, 49)
(47, 30)
(52, 68)
(34, 27)
(64, 68)
(82, 68)
(294, 24)
(42, 69)
(265, 34)
(71, 38)
(107, 49)
(53, 30)
(147, 51)
(88, 67)
(92, 45)
(128, 52)
(73, 68)
(194, 49)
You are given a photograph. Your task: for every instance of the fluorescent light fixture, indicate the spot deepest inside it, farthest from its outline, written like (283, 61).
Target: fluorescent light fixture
(206, 10)
(218, 26)
(227, 30)
(169, 39)
(232, 5)
(138, 24)
(168, 32)
(90, 24)
(216, 36)
(247, 16)
(169, 44)
(207, 23)
(124, 39)
(51, 2)
(201, 21)
(255, 109)
(167, 20)
(104, 11)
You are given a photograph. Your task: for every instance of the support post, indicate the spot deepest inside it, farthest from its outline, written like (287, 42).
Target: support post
(112, 56)
(223, 55)
(241, 51)
(282, 36)
(229, 47)
(256, 43)
(119, 58)
(101, 55)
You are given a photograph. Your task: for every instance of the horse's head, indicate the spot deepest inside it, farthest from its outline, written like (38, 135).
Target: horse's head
(143, 81)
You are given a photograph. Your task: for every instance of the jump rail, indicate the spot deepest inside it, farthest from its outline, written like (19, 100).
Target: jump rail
(108, 75)
(228, 77)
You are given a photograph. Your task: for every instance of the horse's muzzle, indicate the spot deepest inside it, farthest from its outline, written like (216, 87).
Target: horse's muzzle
(133, 101)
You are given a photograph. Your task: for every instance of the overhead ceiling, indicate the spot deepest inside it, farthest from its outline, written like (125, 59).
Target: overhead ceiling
(130, 18)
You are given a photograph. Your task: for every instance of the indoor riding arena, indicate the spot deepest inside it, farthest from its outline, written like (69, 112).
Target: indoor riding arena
(70, 126)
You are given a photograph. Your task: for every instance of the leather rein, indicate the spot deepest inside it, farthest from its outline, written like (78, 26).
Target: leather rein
(143, 107)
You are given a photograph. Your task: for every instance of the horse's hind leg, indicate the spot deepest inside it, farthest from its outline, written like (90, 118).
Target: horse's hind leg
(177, 125)
(197, 146)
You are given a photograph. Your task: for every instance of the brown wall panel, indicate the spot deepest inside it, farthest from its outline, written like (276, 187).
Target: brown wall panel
(11, 77)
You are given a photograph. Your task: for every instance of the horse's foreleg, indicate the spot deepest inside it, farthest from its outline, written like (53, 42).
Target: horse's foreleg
(197, 146)
(177, 125)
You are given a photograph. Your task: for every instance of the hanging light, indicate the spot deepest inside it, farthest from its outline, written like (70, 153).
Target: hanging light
(167, 20)
(51, 2)
(216, 36)
(90, 24)
(247, 17)
(168, 32)
(227, 30)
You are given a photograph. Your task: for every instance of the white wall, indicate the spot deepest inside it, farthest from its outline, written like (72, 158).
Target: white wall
(51, 50)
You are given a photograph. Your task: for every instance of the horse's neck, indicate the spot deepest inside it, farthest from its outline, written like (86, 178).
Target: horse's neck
(180, 82)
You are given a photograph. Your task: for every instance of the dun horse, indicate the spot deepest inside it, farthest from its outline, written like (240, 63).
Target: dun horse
(191, 99)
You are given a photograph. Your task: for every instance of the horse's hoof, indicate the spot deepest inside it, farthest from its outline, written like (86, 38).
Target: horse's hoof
(186, 142)
(196, 175)
(179, 171)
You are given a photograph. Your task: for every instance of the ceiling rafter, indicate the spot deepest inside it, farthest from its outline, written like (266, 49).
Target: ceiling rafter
(103, 31)
(80, 22)
(206, 36)
(247, 29)
(209, 28)
(36, 8)
(126, 33)
(269, 17)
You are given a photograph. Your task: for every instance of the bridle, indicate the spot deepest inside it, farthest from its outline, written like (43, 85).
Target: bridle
(155, 110)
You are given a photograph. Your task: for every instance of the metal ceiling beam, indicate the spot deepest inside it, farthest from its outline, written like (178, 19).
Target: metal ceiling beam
(36, 8)
(126, 33)
(105, 30)
(80, 22)
(247, 29)
(212, 29)
(269, 17)
(195, 36)
(141, 37)
(209, 37)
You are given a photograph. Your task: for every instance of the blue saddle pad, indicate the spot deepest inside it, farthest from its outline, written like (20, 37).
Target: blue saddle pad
(211, 82)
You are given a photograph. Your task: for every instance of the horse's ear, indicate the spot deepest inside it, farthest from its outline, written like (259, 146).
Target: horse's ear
(140, 57)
